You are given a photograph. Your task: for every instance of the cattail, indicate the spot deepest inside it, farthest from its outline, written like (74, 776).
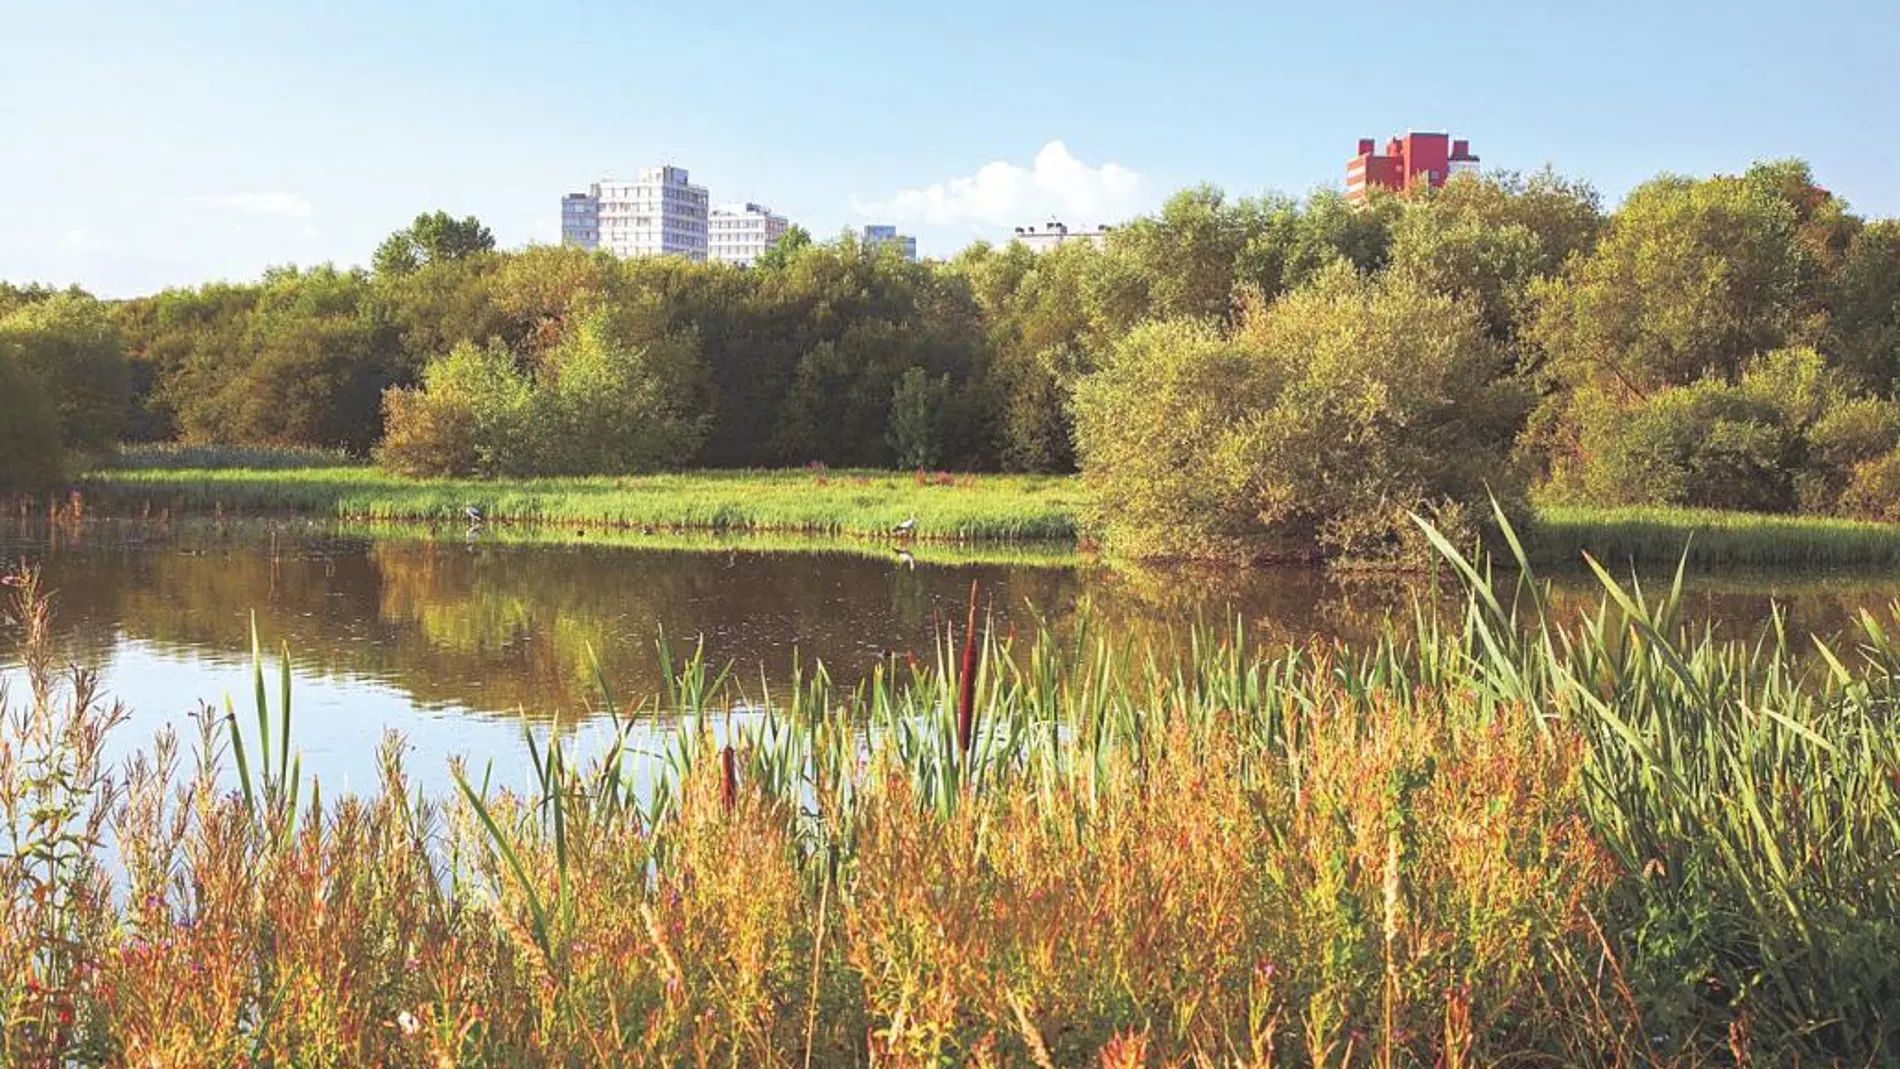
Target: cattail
(966, 682)
(728, 779)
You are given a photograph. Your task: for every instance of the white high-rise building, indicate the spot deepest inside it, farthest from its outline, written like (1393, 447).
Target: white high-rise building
(740, 233)
(1057, 234)
(659, 213)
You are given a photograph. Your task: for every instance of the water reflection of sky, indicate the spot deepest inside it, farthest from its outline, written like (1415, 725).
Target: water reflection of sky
(457, 645)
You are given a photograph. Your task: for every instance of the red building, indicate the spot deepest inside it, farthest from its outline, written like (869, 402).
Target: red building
(1411, 162)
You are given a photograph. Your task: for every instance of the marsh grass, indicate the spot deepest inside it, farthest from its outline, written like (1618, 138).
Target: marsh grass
(1710, 540)
(862, 503)
(867, 504)
(1481, 838)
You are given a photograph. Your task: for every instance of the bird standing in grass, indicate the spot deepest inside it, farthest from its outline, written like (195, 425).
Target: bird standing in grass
(474, 514)
(905, 529)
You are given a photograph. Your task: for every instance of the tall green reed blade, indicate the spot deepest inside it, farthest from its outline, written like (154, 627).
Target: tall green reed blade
(237, 751)
(263, 705)
(537, 910)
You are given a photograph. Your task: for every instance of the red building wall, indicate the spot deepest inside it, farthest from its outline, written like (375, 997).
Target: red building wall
(1412, 162)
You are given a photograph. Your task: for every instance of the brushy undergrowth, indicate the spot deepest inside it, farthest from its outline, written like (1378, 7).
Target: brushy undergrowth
(809, 500)
(177, 456)
(1478, 840)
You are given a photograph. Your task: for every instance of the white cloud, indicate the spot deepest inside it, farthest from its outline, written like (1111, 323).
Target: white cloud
(1003, 194)
(81, 240)
(307, 231)
(287, 205)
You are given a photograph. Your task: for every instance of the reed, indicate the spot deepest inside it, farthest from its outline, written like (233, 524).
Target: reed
(1479, 838)
(1709, 539)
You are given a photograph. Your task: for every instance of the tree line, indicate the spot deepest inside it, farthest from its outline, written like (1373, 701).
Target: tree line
(1243, 376)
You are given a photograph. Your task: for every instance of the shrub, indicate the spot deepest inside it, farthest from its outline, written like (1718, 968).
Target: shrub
(1873, 489)
(604, 404)
(1708, 444)
(1154, 429)
(1311, 431)
(469, 416)
(596, 405)
(1858, 432)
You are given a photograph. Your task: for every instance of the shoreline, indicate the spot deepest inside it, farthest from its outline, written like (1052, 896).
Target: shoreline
(1043, 511)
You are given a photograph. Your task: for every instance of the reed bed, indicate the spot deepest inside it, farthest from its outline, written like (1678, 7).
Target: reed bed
(1710, 539)
(813, 501)
(1482, 839)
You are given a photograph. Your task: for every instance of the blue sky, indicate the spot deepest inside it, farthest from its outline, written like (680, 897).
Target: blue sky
(154, 143)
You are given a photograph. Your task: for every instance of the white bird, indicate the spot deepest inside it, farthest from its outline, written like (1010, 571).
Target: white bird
(474, 514)
(906, 527)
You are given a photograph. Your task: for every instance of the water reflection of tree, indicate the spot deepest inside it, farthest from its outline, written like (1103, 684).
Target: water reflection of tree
(500, 628)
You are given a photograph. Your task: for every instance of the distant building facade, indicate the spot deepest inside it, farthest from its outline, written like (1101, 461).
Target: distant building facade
(580, 220)
(740, 233)
(1057, 234)
(1415, 161)
(658, 213)
(876, 237)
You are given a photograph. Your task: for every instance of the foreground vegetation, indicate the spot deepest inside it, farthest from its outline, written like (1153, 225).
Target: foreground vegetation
(1489, 838)
(1235, 378)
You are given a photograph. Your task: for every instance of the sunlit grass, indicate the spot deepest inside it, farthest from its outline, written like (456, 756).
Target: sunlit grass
(946, 507)
(1711, 539)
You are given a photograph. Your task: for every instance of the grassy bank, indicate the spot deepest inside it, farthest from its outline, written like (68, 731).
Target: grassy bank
(859, 503)
(1657, 537)
(1613, 843)
(969, 508)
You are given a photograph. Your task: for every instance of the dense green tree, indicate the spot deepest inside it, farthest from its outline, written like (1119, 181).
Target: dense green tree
(1486, 240)
(1041, 339)
(433, 238)
(918, 409)
(1708, 444)
(1864, 306)
(308, 367)
(181, 341)
(1691, 278)
(785, 248)
(13, 298)
(71, 345)
(31, 453)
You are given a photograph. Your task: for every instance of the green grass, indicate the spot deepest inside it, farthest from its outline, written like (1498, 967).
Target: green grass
(1036, 554)
(1657, 537)
(864, 504)
(1008, 508)
(174, 456)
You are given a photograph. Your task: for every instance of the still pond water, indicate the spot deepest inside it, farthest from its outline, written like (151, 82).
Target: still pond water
(452, 638)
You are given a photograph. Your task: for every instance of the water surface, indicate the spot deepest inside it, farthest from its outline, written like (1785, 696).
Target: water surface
(453, 638)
